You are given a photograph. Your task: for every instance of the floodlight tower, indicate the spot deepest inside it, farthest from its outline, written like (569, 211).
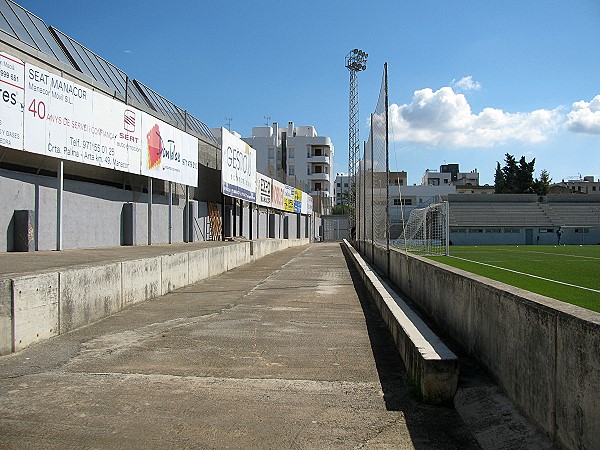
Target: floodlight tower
(356, 61)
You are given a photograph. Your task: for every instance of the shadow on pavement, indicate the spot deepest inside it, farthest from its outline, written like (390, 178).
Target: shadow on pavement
(429, 426)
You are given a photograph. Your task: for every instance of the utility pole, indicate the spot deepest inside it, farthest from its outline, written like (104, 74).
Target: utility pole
(356, 61)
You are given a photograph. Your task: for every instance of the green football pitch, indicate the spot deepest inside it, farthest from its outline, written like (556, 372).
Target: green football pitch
(568, 273)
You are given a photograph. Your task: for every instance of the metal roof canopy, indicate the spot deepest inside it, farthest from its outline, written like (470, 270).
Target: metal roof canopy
(101, 70)
(28, 28)
(174, 114)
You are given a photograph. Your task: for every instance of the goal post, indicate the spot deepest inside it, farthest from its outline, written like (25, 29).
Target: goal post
(427, 231)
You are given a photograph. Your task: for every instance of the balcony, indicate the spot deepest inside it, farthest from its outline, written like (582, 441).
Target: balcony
(323, 159)
(319, 193)
(319, 177)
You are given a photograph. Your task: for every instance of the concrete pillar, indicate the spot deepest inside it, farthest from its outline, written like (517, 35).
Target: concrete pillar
(228, 221)
(272, 225)
(128, 215)
(286, 227)
(191, 214)
(24, 230)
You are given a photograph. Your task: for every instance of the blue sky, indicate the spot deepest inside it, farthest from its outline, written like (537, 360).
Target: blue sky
(468, 80)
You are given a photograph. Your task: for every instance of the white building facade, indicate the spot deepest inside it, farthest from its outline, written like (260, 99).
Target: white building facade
(295, 155)
(342, 184)
(450, 174)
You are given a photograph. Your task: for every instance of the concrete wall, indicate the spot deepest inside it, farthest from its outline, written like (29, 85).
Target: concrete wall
(545, 354)
(571, 236)
(36, 307)
(428, 361)
(92, 213)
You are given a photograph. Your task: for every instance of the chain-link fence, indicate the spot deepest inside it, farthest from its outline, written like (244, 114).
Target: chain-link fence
(372, 187)
(376, 218)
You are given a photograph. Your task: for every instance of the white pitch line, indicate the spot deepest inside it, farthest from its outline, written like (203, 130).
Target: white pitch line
(547, 253)
(528, 275)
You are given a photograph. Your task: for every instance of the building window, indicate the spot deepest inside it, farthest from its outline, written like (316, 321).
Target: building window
(318, 152)
(308, 169)
(345, 185)
(318, 169)
(291, 153)
(445, 181)
(339, 185)
(326, 169)
(317, 186)
(271, 153)
(291, 170)
(403, 201)
(512, 230)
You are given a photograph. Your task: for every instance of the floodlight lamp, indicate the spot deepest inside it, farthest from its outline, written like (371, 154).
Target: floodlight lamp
(355, 51)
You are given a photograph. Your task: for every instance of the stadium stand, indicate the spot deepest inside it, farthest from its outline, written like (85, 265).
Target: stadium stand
(525, 218)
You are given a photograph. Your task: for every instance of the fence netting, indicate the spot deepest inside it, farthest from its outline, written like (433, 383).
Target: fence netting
(381, 218)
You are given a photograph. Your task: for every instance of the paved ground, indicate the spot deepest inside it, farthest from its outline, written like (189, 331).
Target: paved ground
(15, 263)
(284, 352)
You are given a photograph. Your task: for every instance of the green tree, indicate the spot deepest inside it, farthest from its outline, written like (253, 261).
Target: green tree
(541, 186)
(340, 209)
(514, 177)
(344, 207)
(499, 180)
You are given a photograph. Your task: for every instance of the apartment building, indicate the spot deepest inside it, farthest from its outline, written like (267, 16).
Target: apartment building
(295, 155)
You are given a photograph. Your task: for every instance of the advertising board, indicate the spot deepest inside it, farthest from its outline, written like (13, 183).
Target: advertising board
(263, 189)
(12, 99)
(238, 167)
(288, 204)
(42, 112)
(297, 201)
(278, 195)
(168, 153)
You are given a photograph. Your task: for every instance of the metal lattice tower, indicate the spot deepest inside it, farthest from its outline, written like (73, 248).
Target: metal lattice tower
(356, 61)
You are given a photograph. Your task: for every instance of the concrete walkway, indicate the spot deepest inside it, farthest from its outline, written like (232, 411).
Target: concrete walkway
(284, 352)
(14, 263)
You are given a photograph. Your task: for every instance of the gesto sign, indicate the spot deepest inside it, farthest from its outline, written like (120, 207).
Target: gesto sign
(238, 167)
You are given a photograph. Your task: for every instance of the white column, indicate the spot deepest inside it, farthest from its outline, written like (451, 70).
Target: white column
(170, 212)
(149, 210)
(59, 205)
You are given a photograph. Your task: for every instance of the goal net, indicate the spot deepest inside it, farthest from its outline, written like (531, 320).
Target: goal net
(427, 231)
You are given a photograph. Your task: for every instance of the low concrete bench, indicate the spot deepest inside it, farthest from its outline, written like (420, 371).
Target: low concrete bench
(431, 364)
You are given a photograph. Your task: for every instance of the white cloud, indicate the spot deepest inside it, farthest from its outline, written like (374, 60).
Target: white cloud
(444, 117)
(585, 117)
(466, 84)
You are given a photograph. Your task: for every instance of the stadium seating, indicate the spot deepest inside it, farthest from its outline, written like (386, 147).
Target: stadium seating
(551, 214)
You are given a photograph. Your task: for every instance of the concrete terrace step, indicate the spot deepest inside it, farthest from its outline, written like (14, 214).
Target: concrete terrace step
(428, 360)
